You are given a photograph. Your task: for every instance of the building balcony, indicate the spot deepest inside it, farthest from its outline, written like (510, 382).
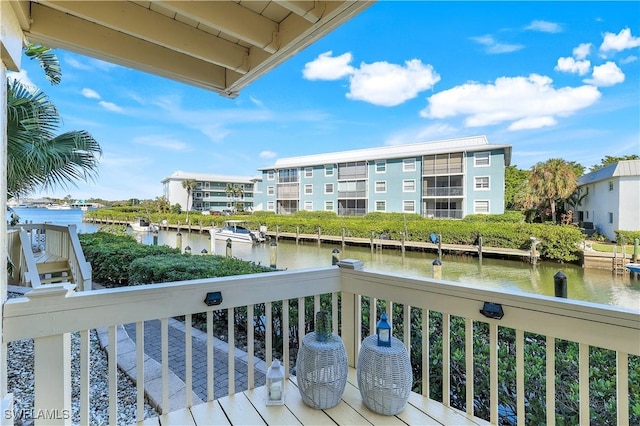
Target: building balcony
(440, 323)
(443, 214)
(452, 191)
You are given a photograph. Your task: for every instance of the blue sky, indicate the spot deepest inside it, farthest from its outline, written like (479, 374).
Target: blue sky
(552, 79)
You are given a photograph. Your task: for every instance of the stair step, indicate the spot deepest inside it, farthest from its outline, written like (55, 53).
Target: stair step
(53, 267)
(62, 279)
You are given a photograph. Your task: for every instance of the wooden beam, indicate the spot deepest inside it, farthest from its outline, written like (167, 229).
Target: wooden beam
(310, 10)
(153, 27)
(57, 29)
(232, 19)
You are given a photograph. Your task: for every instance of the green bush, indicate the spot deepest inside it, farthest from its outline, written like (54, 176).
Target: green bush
(627, 237)
(111, 255)
(181, 267)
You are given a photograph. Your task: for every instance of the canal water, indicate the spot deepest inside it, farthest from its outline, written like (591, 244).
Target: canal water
(592, 285)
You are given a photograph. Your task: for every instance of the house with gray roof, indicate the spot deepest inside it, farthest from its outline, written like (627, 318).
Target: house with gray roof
(612, 200)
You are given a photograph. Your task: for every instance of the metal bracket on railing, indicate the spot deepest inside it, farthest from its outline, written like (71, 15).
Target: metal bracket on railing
(213, 299)
(492, 310)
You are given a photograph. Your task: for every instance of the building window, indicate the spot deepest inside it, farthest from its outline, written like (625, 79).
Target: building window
(610, 217)
(381, 166)
(308, 206)
(308, 172)
(481, 183)
(409, 185)
(610, 185)
(481, 206)
(288, 175)
(409, 206)
(381, 206)
(328, 188)
(328, 170)
(381, 186)
(409, 165)
(270, 205)
(271, 190)
(328, 206)
(308, 189)
(271, 175)
(481, 159)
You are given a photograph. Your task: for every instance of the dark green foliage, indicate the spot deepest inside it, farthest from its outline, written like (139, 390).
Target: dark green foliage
(181, 267)
(627, 237)
(111, 255)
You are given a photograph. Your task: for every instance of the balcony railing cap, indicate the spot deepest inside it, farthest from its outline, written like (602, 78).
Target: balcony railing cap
(351, 264)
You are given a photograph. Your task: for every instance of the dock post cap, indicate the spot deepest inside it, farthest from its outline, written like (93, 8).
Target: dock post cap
(351, 264)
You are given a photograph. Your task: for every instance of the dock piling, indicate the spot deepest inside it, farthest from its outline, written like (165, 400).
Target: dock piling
(335, 256)
(437, 269)
(560, 284)
(228, 253)
(273, 254)
(179, 240)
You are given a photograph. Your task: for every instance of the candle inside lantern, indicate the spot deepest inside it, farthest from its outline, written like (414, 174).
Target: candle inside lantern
(275, 391)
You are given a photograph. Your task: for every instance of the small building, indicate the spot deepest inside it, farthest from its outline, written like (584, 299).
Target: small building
(440, 179)
(211, 193)
(611, 198)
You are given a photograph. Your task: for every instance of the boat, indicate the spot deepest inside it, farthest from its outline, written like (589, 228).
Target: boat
(633, 267)
(141, 224)
(54, 206)
(236, 231)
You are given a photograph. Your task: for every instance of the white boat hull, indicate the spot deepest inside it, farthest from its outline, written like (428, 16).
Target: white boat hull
(234, 237)
(633, 267)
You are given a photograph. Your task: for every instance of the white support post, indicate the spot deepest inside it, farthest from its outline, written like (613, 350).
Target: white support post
(351, 316)
(52, 365)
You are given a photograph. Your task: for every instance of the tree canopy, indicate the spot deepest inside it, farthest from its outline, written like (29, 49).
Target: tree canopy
(608, 160)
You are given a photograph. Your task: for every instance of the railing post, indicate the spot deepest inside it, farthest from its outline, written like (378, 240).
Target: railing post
(52, 367)
(351, 316)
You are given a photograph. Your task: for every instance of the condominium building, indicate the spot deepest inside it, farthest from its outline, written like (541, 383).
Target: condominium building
(214, 193)
(442, 179)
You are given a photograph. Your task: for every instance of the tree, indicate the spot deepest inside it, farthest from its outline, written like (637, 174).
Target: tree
(552, 181)
(513, 178)
(608, 160)
(189, 185)
(36, 158)
(234, 192)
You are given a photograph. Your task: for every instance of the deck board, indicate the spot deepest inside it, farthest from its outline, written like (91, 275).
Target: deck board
(248, 407)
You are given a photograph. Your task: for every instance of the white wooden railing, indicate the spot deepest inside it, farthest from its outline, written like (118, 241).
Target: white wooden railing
(54, 239)
(347, 288)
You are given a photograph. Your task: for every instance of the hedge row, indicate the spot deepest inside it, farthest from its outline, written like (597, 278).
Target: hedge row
(560, 243)
(118, 260)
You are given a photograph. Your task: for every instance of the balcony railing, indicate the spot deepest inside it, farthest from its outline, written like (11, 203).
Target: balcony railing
(354, 298)
(448, 214)
(452, 191)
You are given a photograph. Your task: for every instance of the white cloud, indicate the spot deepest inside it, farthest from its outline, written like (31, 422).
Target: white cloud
(428, 133)
(493, 47)
(327, 67)
(523, 102)
(110, 106)
(75, 63)
(619, 42)
(162, 141)
(385, 84)
(628, 59)
(582, 51)
(90, 93)
(23, 78)
(544, 26)
(606, 75)
(572, 66)
(267, 154)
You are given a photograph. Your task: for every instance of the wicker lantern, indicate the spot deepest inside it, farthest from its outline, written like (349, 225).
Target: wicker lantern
(275, 384)
(383, 330)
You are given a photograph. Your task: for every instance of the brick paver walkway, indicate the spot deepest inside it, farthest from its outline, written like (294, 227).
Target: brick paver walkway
(152, 342)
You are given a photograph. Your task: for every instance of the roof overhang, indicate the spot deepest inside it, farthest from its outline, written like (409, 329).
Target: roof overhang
(217, 45)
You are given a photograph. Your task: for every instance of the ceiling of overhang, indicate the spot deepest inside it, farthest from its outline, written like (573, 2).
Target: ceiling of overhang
(217, 45)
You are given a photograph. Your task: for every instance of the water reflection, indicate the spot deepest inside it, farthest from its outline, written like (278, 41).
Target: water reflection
(593, 285)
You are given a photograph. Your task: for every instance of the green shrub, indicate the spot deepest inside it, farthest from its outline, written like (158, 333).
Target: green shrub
(182, 267)
(111, 255)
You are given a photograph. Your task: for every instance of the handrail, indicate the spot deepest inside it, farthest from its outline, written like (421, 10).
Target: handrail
(28, 267)
(587, 324)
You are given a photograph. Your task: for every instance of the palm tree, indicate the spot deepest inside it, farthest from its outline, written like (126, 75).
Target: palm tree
(36, 158)
(234, 192)
(552, 181)
(189, 185)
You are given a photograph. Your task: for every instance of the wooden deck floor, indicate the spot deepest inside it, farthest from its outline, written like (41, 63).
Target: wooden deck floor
(248, 408)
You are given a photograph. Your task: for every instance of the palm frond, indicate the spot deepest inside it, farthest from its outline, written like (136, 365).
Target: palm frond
(48, 61)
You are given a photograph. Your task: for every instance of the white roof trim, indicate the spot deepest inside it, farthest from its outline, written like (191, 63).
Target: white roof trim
(472, 143)
(205, 177)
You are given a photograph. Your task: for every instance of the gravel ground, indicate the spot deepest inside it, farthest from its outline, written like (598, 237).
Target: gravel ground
(20, 382)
